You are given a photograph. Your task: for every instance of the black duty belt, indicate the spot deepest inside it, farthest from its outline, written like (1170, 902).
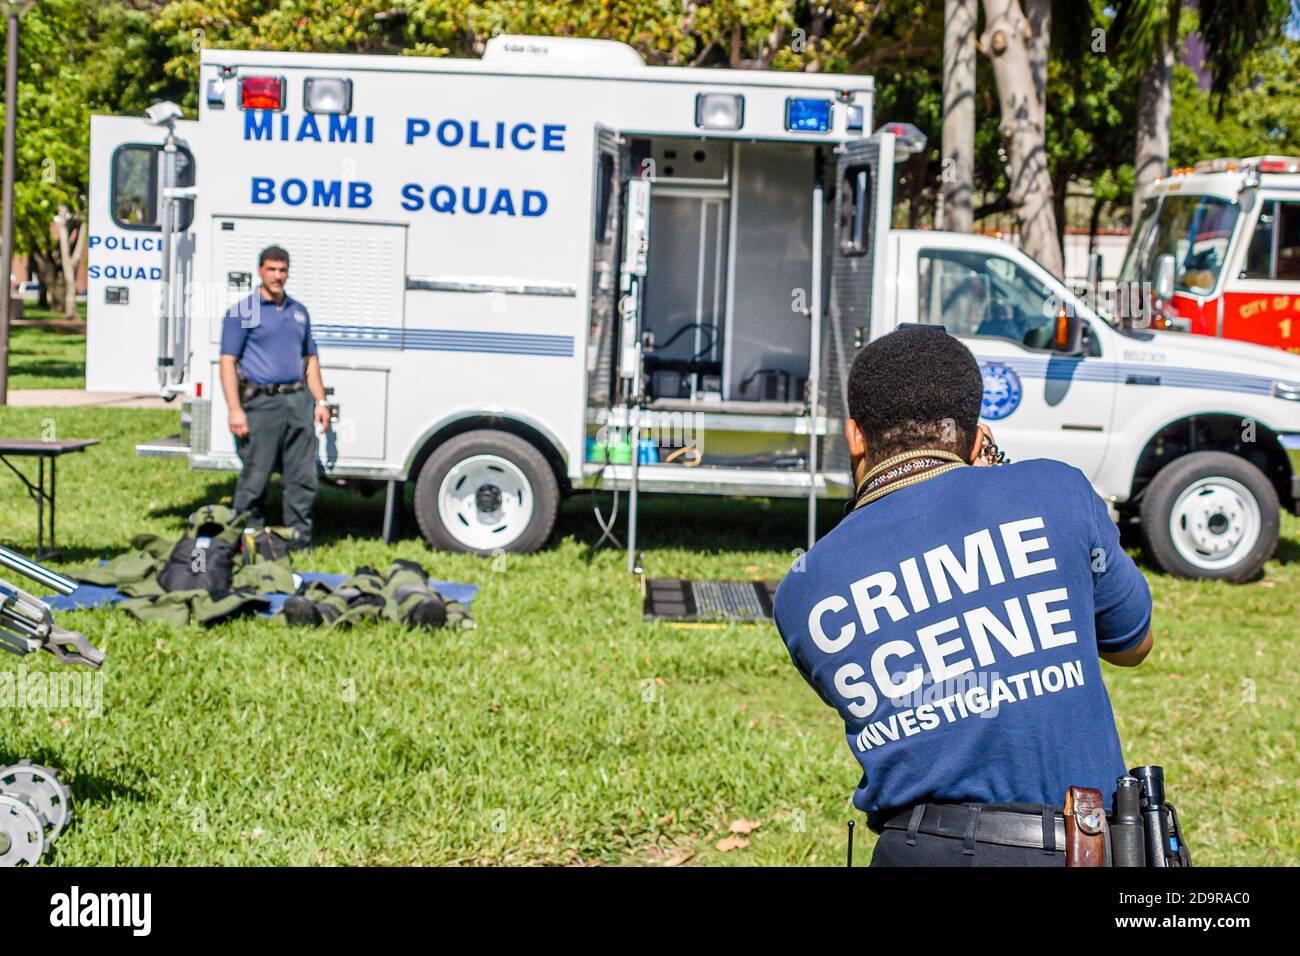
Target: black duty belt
(973, 823)
(281, 388)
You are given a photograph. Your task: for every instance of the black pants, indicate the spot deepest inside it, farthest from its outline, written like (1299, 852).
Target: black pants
(892, 850)
(281, 437)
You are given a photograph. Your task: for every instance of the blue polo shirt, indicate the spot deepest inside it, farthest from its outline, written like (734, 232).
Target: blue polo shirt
(955, 627)
(269, 341)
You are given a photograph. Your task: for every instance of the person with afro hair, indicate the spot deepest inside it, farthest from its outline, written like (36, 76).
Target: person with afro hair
(957, 617)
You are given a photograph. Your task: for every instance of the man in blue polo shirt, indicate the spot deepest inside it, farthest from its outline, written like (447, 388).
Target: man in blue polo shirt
(956, 619)
(270, 375)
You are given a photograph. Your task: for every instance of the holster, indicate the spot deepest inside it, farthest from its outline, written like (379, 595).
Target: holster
(1085, 827)
(247, 390)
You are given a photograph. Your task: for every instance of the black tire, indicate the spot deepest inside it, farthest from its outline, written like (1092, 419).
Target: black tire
(1162, 495)
(536, 471)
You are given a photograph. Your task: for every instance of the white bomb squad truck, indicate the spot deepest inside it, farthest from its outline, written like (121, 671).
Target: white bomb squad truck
(556, 268)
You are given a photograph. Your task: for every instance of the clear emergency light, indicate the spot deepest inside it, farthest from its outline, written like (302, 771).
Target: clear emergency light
(719, 110)
(216, 93)
(907, 138)
(327, 94)
(1223, 164)
(261, 92)
(856, 120)
(1251, 167)
(807, 116)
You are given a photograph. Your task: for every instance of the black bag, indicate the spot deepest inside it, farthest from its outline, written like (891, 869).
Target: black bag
(205, 556)
(202, 562)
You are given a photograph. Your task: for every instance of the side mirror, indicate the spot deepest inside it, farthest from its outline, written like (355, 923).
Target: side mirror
(1163, 278)
(1067, 337)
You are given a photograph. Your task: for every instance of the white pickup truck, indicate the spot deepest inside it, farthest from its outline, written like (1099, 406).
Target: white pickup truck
(1197, 439)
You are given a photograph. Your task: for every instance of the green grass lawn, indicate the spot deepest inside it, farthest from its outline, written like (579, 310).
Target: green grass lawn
(564, 729)
(46, 358)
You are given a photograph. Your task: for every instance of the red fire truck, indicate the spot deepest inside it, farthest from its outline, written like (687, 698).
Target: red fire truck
(1220, 244)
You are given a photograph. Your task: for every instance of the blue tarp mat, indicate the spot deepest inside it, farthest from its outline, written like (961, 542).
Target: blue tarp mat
(96, 595)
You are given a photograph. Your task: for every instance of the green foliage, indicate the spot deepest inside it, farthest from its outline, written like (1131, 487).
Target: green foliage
(84, 56)
(76, 57)
(1261, 114)
(1142, 28)
(1232, 31)
(53, 125)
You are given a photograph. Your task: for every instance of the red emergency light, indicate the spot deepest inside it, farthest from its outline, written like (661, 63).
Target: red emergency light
(261, 92)
(1278, 164)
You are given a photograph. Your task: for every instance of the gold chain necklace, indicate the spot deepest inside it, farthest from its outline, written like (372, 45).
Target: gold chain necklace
(902, 471)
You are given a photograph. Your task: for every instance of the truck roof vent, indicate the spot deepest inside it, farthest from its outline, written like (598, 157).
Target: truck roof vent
(566, 50)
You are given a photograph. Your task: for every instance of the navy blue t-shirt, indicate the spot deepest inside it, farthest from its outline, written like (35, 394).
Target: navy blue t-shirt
(270, 341)
(955, 626)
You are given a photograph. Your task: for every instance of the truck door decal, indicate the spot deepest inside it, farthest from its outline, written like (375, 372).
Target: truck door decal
(1002, 391)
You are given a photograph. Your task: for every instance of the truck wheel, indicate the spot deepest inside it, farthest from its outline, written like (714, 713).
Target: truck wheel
(1211, 515)
(485, 491)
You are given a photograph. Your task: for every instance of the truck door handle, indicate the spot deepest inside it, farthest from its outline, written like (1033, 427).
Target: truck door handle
(1141, 379)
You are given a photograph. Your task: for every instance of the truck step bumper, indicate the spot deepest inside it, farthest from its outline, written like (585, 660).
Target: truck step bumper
(173, 446)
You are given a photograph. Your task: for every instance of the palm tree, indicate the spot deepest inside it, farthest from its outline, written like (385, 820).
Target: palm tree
(1149, 40)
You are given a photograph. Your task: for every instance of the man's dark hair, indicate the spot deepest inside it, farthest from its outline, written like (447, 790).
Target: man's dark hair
(273, 254)
(918, 387)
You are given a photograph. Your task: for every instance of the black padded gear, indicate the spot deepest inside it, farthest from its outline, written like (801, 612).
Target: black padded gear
(430, 613)
(300, 612)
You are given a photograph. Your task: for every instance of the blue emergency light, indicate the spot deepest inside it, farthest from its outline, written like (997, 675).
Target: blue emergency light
(807, 116)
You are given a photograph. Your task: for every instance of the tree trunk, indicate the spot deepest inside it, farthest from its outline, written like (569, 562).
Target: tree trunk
(1038, 43)
(72, 246)
(1094, 223)
(958, 176)
(47, 269)
(1060, 189)
(1151, 160)
(1006, 41)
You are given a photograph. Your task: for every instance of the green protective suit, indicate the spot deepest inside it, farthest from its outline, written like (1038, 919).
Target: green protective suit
(179, 608)
(400, 594)
(148, 552)
(136, 574)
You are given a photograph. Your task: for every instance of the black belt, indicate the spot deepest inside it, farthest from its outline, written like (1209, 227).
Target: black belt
(1042, 829)
(280, 388)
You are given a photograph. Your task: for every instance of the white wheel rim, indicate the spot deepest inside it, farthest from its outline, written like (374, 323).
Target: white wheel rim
(1215, 523)
(485, 502)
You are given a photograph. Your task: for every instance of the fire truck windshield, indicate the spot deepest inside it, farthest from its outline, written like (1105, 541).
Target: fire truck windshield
(1195, 230)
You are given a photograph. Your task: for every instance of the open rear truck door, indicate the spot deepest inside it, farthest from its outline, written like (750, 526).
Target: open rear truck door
(864, 179)
(141, 257)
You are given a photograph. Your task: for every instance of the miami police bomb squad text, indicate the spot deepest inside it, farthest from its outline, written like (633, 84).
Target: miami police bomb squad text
(448, 134)
(1016, 625)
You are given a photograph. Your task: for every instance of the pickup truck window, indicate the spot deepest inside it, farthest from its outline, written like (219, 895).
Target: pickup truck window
(976, 294)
